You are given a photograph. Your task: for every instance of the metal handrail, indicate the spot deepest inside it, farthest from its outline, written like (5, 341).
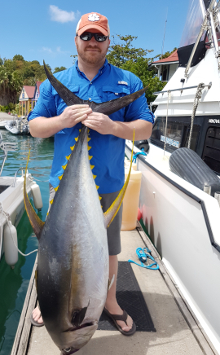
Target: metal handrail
(181, 89)
(6, 147)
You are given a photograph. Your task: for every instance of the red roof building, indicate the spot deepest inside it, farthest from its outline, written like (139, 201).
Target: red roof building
(166, 67)
(28, 98)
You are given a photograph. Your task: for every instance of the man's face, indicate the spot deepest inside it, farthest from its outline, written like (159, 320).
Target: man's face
(92, 52)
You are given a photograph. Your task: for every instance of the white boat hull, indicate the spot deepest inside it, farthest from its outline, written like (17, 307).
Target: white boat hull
(180, 220)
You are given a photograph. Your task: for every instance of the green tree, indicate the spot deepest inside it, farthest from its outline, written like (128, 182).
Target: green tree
(57, 69)
(10, 84)
(18, 57)
(120, 53)
(136, 60)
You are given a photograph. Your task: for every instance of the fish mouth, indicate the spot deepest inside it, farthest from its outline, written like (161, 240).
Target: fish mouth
(85, 325)
(68, 351)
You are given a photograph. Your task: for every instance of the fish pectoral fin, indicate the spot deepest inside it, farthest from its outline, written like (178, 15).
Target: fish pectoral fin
(110, 282)
(78, 316)
(36, 223)
(110, 214)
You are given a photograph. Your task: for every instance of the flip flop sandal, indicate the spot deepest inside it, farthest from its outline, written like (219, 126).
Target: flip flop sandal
(36, 323)
(123, 317)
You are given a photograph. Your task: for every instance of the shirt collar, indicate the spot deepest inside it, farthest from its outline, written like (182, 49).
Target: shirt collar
(101, 70)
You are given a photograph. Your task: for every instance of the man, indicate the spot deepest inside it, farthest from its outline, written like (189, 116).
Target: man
(93, 78)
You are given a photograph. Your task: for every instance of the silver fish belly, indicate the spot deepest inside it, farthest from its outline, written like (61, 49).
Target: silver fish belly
(73, 257)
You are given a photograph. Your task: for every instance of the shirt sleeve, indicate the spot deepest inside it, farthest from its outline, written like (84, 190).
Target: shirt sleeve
(139, 108)
(45, 106)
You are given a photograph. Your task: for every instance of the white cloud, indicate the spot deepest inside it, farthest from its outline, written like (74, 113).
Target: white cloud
(54, 52)
(62, 16)
(46, 49)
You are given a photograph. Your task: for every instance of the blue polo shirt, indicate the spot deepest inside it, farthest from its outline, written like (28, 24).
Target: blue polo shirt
(107, 150)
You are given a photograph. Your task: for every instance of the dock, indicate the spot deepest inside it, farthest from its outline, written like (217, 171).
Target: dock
(177, 330)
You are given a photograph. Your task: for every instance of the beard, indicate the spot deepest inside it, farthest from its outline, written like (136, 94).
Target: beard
(88, 57)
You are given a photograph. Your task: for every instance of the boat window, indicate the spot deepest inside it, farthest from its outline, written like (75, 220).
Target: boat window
(194, 138)
(177, 134)
(193, 23)
(211, 153)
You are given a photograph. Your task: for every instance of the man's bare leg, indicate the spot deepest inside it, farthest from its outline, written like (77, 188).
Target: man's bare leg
(111, 302)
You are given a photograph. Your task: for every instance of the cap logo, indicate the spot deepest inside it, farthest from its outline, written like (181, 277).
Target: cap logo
(93, 17)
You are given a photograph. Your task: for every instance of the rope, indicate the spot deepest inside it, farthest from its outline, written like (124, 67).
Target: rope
(164, 147)
(144, 255)
(7, 221)
(198, 96)
(136, 155)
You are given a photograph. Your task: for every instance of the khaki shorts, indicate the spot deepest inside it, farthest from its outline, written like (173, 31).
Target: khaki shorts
(113, 231)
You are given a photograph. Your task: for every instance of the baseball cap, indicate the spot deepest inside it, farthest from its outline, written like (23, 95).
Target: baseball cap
(93, 20)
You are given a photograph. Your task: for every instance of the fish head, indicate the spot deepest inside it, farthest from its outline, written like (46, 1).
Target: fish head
(74, 339)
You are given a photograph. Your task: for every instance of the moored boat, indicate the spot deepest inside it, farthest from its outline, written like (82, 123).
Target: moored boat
(180, 206)
(12, 205)
(17, 126)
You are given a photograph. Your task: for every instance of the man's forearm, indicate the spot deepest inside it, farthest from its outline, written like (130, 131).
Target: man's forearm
(43, 127)
(143, 129)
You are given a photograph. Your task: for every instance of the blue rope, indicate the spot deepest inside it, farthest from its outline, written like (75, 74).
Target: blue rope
(136, 155)
(144, 254)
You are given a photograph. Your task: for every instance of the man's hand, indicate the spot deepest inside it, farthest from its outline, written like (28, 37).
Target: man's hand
(73, 115)
(44, 127)
(99, 122)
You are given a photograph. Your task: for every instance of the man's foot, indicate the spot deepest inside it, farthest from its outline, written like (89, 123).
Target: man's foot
(36, 318)
(122, 320)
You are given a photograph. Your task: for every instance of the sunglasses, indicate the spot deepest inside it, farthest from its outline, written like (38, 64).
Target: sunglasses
(87, 36)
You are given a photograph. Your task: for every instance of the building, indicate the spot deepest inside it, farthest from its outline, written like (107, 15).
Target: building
(28, 98)
(166, 67)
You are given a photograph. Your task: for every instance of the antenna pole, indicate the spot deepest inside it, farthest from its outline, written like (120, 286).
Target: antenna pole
(164, 33)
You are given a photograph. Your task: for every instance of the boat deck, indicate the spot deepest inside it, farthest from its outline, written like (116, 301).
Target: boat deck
(177, 331)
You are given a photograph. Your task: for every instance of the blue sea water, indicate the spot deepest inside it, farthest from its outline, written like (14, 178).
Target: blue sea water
(14, 283)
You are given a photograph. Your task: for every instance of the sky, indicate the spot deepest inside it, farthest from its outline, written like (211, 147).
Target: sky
(45, 29)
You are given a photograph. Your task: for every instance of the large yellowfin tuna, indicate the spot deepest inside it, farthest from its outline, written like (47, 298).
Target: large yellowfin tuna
(72, 280)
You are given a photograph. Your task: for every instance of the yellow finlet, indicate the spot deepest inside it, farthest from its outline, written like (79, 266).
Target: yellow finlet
(60, 177)
(90, 157)
(76, 139)
(88, 139)
(51, 201)
(64, 166)
(56, 188)
(100, 198)
(92, 166)
(97, 187)
(72, 147)
(68, 157)
(89, 148)
(94, 176)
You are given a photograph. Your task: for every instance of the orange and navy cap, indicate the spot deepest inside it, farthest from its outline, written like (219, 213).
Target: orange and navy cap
(93, 20)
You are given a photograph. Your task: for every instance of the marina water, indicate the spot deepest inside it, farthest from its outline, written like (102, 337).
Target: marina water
(14, 283)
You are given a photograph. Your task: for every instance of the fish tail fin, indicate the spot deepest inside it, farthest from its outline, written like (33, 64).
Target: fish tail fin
(110, 214)
(35, 221)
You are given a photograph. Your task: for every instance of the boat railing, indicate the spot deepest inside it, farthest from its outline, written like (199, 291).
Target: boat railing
(6, 147)
(181, 89)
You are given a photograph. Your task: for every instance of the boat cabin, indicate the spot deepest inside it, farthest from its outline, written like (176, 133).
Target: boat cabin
(188, 106)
